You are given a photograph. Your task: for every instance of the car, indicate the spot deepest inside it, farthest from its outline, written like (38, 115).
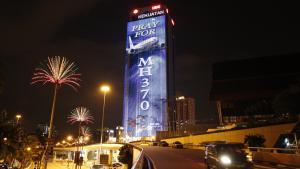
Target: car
(4, 166)
(226, 156)
(163, 144)
(177, 144)
(155, 143)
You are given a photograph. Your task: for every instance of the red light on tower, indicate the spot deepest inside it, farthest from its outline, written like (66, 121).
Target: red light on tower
(155, 7)
(135, 11)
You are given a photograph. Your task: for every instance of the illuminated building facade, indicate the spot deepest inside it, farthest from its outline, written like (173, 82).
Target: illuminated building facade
(148, 90)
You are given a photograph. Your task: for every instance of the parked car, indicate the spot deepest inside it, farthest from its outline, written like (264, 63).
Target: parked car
(177, 144)
(163, 144)
(154, 143)
(226, 156)
(4, 166)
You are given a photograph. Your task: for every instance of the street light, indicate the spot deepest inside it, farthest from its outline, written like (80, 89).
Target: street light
(86, 138)
(105, 89)
(69, 138)
(18, 116)
(28, 148)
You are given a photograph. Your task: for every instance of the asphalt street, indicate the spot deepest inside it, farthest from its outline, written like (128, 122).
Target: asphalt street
(171, 158)
(61, 165)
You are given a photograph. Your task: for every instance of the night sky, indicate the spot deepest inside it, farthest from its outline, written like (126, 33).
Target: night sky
(92, 34)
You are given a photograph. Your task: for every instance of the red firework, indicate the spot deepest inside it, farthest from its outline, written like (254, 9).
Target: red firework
(59, 70)
(81, 115)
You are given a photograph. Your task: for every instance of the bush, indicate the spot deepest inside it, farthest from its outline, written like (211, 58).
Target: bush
(255, 140)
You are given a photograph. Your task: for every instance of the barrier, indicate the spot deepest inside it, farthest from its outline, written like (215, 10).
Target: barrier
(290, 157)
(271, 134)
(137, 159)
(140, 159)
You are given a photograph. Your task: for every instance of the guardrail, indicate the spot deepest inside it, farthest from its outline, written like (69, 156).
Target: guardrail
(290, 157)
(140, 159)
(275, 150)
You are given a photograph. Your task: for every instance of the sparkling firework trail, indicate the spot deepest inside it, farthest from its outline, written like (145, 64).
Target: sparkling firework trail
(85, 131)
(81, 115)
(59, 70)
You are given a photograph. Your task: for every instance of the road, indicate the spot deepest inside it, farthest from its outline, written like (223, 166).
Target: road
(61, 165)
(170, 158)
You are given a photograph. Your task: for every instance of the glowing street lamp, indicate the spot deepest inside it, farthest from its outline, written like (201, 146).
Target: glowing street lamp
(104, 89)
(69, 138)
(18, 117)
(86, 138)
(28, 148)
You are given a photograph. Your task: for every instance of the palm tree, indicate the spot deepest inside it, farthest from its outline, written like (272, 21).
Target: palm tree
(58, 71)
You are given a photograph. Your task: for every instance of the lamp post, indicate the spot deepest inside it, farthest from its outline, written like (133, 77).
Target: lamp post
(18, 117)
(69, 138)
(104, 89)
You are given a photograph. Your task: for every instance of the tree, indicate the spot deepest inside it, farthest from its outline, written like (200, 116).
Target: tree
(255, 140)
(16, 145)
(287, 102)
(9, 143)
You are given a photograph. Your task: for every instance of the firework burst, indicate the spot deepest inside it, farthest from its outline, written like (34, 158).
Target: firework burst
(59, 70)
(85, 131)
(81, 115)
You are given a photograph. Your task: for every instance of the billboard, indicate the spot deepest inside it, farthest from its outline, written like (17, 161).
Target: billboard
(145, 90)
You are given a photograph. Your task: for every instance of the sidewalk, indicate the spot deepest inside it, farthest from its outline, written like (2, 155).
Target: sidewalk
(64, 165)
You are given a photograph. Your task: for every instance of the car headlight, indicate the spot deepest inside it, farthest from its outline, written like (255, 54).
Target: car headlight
(249, 157)
(225, 160)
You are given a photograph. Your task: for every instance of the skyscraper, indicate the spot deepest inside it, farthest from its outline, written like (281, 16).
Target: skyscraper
(149, 81)
(185, 112)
